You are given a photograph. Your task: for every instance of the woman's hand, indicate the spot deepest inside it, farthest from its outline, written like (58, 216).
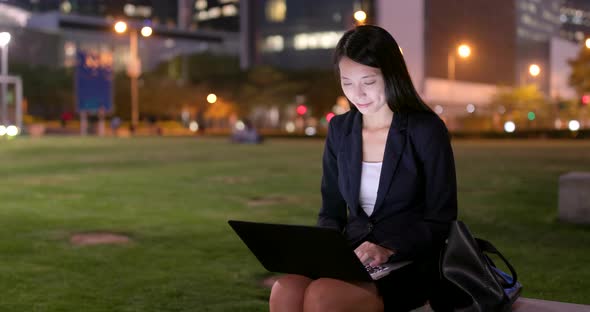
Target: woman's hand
(372, 254)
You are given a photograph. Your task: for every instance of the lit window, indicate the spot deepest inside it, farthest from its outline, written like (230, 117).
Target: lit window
(276, 10)
(66, 7)
(70, 48)
(203, 16)
(214, 12)
(229, 10)
(129, 10)
(319, 40)
(273, 44)
(201, 5)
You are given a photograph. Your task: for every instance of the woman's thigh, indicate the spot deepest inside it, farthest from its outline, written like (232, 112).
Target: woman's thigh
(327, 294)
(288, 292)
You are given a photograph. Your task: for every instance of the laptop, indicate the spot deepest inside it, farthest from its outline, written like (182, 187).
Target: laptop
(307, 250)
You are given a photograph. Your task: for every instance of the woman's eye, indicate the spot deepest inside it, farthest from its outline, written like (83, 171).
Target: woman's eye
(368, 83)
(346, 84)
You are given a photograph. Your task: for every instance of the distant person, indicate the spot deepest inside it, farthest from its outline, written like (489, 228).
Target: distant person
(388, 184)
(65, 117)
(246, 135)
(115, 124)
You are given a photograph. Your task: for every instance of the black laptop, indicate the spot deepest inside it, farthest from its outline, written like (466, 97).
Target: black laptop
(306, 250)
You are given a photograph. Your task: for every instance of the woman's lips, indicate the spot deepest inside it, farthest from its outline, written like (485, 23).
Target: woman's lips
(363, 105)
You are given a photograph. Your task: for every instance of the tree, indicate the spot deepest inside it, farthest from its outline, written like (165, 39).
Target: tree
(524, 105)
(580, 76)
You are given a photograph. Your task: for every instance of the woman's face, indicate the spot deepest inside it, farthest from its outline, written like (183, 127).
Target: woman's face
(363, 86)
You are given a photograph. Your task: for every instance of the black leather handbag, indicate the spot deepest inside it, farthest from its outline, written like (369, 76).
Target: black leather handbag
(470, 279)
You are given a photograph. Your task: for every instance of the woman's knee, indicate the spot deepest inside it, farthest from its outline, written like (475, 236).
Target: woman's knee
(288, 289)
(326, 294)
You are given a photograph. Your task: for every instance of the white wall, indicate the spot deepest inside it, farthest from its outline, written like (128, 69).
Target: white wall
(404, 19)
(561, 51)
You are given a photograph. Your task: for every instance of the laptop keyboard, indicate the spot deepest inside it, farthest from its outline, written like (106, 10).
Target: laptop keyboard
(375, 269)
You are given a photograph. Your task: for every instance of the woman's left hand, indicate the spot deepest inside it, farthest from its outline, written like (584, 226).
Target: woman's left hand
(372, 254)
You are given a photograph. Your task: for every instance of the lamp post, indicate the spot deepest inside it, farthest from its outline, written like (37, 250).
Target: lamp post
(4, 40)
(533, 70)
(360, 17)
(133, 66)
(464, 51)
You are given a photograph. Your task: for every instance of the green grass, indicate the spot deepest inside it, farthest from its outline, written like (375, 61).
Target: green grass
(172, 196)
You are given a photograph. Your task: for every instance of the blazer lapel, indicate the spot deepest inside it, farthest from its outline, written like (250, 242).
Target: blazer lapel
(353, 156)
(394, 147)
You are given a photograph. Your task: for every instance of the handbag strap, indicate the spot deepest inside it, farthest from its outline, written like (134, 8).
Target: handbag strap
(486, 246)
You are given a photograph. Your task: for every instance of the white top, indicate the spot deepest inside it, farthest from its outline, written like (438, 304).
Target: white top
(370, 174)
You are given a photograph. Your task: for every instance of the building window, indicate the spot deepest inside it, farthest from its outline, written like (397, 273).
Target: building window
(276, 10)
(273, 44)
(319, 40)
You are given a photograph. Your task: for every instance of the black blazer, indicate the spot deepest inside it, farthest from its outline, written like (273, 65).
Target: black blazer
(417, 194)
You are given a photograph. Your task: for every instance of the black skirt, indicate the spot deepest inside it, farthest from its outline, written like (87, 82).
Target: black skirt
(407, 288)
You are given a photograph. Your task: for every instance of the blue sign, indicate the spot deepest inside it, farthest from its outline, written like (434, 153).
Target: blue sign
(94, 82)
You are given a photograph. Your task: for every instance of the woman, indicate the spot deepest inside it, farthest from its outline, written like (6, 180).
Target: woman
(388, 183)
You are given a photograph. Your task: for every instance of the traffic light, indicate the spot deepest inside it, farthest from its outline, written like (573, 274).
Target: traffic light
(301, 110)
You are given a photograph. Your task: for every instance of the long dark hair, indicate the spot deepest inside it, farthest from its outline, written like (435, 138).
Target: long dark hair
(373, 46)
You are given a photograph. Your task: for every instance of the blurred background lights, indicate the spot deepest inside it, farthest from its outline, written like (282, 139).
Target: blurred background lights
(11, 130)
(240, 125)
(310, 131)
(439, 109)
(329, 116)
(211, 98)
(360, 16)
(290, 127)
(470, 108)
(120, 27)
(534, 70)
(509, 126)
(301, 109)
(574, 125)
(464, 50)
(193, 126)
(531, 116)
(146, 31)
(2, 130)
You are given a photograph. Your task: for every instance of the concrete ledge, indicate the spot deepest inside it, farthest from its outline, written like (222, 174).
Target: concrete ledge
(534, 305)
(574, 197)
(537, 305)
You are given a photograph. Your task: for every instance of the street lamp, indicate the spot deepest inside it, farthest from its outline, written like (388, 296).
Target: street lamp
(360, 16)
(534, 70)
(211, 98)
(133, 65)
(4, 40)
(464, 51)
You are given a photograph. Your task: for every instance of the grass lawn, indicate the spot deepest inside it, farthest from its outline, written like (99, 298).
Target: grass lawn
(172, 196)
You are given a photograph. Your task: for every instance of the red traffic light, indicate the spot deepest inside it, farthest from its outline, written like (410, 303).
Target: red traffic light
(586, 99)
(301, 109)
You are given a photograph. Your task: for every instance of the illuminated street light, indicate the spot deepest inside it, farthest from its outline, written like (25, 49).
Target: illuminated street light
(360, 16)
(146, 31)
(4, 40)
(534, 70)
(120, 27)
(211, 98)
(464, 51)
(133, 66)
(509, 127)
(588, 43)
